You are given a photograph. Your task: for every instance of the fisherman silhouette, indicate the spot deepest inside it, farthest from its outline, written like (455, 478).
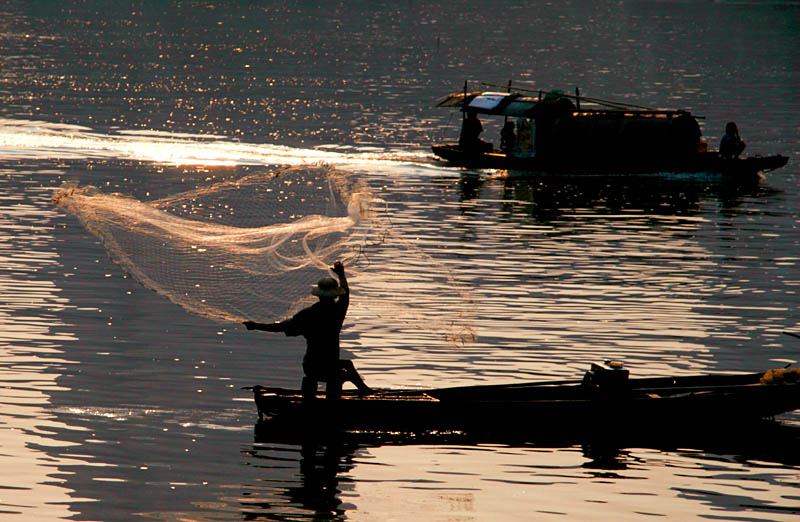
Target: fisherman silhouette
(320, 324)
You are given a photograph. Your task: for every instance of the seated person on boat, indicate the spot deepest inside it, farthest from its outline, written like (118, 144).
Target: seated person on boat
(731, 144)
(507, 138)
(471, 130)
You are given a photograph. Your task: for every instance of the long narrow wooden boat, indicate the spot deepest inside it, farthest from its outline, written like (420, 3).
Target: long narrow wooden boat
(605, 399)
(564, 134)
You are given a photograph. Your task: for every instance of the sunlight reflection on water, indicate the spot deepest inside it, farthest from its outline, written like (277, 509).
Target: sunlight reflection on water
(569, 285)
(551, 294)
(118, 405)
(31, 348)
(446, 482)
(553, 280)
(450, 482)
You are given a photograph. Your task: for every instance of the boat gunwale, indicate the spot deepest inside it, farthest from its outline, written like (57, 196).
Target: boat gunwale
(554, 391)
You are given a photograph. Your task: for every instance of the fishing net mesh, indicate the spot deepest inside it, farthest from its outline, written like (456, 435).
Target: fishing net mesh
(252, 247)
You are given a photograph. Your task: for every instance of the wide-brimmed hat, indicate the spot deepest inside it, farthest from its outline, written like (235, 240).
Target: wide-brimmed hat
(327, 287)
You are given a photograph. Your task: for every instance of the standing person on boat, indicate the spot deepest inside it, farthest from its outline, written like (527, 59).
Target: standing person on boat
(471, 130)
(507, 138)
(731, 144)
(320, 324)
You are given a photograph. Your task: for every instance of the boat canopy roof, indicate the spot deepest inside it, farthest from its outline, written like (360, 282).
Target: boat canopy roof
(521, 105)
(497, 103)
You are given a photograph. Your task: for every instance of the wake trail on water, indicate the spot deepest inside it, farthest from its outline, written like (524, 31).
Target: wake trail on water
(27, 139)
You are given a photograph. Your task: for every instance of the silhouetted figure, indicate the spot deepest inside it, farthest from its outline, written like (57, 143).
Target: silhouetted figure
(507, 138)
(471, 130)
(320, 324)
(731, 144)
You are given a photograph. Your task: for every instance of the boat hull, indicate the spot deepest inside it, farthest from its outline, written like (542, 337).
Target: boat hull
(540, 410)
(705, 162)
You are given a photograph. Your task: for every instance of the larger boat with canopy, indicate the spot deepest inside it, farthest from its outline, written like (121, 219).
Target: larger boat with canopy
(553, 132)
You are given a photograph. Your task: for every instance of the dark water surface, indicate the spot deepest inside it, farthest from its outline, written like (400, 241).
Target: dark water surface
(118, 405)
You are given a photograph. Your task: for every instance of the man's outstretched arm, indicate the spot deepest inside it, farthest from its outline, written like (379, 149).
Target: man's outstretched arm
(266, 327)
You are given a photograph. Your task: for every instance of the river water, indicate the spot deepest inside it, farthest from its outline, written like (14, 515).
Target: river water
(119, 405)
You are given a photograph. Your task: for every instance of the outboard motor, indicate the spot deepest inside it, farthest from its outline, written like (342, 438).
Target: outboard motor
(608, 378)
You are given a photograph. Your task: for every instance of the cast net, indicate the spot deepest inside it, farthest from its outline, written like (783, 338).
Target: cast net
(251, 248)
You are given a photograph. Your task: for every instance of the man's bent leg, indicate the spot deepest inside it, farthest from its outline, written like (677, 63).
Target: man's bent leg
(350, 374)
